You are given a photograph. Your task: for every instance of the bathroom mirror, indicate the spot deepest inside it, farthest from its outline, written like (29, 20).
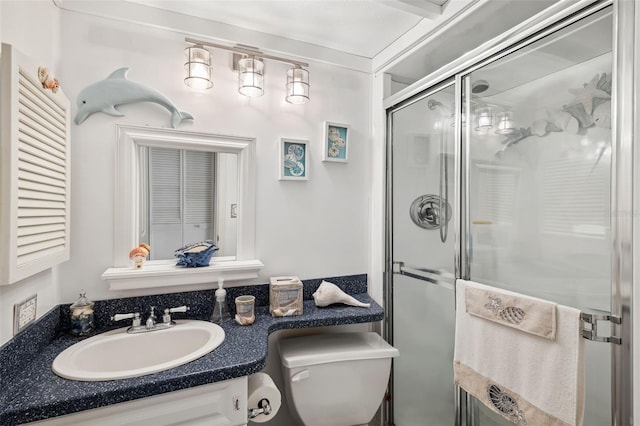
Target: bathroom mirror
(187, 196)
(175, 187)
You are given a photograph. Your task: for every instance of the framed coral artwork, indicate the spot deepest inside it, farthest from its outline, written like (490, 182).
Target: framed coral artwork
(335, 142)
(294, 159)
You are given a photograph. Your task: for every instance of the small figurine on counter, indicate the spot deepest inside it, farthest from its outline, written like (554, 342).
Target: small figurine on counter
(139, 254)
(48, 82)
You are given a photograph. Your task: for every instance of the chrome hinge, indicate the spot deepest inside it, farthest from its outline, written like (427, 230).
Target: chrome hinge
(396, 267)
(592, 318)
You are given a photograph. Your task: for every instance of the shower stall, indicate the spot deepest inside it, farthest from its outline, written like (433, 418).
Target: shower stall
(512, 169)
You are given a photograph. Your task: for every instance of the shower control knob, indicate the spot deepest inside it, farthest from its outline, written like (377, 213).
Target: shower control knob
(425, 211)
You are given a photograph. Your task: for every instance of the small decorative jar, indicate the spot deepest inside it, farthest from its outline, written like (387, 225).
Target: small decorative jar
(82, 316)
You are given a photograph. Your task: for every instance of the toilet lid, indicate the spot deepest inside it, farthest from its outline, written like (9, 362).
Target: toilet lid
(325, 348)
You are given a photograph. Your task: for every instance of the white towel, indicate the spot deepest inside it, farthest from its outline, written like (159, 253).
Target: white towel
(526, 378)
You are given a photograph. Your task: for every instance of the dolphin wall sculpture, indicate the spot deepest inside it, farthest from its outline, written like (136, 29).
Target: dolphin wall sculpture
(106, 95)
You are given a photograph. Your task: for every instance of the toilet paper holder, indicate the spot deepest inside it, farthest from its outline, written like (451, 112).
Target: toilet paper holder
(263, 408)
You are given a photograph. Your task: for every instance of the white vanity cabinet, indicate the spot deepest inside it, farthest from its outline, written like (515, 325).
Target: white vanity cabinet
(216, 404)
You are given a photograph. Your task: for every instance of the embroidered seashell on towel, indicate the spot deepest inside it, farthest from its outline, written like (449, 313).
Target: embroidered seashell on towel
(530, 315)
(520, 356)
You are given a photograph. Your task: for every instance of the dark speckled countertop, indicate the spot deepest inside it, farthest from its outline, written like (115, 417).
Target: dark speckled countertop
(36, 393)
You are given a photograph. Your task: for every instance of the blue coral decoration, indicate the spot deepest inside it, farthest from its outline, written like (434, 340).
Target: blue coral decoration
(197, 254)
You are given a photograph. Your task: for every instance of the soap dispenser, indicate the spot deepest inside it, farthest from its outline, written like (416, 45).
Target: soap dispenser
(81, 316)
(220, 309)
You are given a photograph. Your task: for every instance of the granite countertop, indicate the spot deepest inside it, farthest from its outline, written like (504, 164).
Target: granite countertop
(37, 393)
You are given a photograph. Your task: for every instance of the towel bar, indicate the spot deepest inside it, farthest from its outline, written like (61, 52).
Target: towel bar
(438, 277)
(592, 318)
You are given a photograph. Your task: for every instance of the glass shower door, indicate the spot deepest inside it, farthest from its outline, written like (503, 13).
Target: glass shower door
(422, 244)
(538, 132)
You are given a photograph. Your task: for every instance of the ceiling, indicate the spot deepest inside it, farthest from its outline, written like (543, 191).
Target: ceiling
(362, 35)
(357, 27)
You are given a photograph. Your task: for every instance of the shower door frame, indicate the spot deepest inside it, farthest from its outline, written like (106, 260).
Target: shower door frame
(455, 217)
(625, 49)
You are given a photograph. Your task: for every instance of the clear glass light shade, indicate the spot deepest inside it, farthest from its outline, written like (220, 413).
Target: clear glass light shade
(506, 125)
(297, 85)
(485, 118)
(198, 68)
(251, 76)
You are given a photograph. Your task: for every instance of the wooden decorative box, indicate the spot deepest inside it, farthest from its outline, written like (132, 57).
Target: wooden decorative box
(285, 296)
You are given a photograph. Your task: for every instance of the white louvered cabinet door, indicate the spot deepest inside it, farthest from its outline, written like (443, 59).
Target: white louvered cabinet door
(34, 170)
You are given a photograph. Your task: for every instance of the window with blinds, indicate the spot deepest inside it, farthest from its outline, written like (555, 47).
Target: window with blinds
(181, 197)
(165, 168)
(199, 189)
(35, 160)
(497, 202)
(575, 197)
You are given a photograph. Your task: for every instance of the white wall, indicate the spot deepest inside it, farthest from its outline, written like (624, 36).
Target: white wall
(310, 229)
(33, 29)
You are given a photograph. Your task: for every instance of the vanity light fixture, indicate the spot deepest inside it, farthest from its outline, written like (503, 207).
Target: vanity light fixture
(198, 67)
(249, 62)
(506, 125)
(251, 76)
(297, 85)
(485, 118)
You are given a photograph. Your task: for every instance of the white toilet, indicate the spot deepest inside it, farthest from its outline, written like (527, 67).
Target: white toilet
(336, 379)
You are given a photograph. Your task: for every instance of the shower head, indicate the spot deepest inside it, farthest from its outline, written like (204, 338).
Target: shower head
(479, 86)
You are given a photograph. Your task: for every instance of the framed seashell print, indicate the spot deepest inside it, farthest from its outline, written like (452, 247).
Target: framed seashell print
(294, 159)
(336, 142)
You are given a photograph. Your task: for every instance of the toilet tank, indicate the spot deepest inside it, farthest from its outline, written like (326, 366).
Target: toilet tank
(336, 379)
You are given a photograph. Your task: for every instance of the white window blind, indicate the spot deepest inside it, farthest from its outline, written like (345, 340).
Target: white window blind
(182, 195)
(165, 167)
(497, 194)
(575, 197)
(199, 189)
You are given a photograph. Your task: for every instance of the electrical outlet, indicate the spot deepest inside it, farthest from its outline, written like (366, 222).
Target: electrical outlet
(24, 313)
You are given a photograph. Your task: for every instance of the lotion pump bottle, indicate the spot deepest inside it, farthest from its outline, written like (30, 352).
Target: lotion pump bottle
(220, 309)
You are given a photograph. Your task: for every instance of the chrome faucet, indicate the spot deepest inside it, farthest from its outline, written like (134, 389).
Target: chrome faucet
(151, 321)
(151, 324)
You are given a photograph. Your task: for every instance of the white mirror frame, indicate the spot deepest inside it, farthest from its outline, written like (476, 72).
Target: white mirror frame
(163, 273)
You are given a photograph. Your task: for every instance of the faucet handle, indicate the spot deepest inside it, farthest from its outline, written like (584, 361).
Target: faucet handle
(183, 308)
(134, 315)
(120, 317)
(166, 318)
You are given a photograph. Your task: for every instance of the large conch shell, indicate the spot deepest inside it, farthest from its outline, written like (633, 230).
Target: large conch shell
(329, 293)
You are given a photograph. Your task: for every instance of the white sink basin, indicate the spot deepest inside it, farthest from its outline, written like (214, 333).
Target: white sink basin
(118, 355)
